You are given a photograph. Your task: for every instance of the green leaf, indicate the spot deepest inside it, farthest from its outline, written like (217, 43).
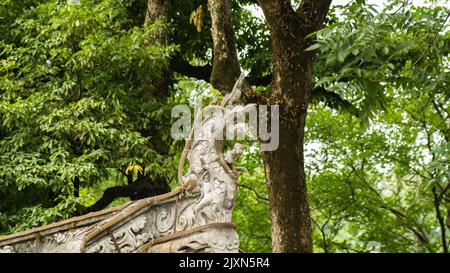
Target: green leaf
(313, 47)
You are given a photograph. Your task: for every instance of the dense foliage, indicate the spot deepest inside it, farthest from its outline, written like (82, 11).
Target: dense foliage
(73, 106)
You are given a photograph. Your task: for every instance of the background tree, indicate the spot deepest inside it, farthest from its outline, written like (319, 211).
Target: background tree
(72, 109)
(392, 61)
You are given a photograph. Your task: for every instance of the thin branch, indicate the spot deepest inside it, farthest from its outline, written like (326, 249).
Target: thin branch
(322, 232)
(333, 100)
(444, 191)
(432, 40)
(418, 232)
(363, 179)
(254, 191)
(440, 219)
(436, 107)
(401, 6)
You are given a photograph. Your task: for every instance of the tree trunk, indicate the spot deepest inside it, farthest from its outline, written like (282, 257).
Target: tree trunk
(291, 88)
(160, 10)
(284, 167)
(225, 69)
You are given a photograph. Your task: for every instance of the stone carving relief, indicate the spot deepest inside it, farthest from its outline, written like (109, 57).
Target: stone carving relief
(127, 238)
(217, 240)
(63, 237)
(7, 249)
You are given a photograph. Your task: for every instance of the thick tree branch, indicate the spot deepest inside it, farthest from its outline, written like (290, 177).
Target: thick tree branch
(260, 80)
(141, 188)
(277, 13)
(203, 73)
(179, 65)
(309, 16)
(76, 187)
(185, 68)
(312, 14)
(331, 99)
